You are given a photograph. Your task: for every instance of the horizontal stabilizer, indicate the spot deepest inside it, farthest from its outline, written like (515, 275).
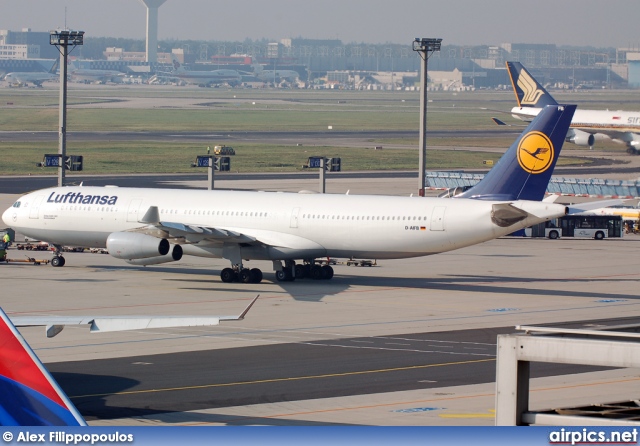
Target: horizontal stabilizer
(498, 122)
(591, 205)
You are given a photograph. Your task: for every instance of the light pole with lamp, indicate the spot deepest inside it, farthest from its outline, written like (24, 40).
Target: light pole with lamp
(62, 39)
(424, 47)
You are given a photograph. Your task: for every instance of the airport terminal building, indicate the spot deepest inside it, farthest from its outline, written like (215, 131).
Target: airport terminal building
(332, 62)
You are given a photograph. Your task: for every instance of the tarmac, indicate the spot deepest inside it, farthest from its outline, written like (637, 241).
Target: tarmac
(505, 282)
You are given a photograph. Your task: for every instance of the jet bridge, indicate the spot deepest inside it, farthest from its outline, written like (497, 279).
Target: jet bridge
(612, 346)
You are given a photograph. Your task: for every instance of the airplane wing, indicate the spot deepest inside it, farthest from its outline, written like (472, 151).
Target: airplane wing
(55, 324)
(181, 233)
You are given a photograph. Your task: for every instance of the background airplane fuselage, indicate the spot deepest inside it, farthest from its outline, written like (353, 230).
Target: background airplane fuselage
(621, 121)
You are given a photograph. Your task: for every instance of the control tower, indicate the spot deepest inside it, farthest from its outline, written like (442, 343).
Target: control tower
(152, 28)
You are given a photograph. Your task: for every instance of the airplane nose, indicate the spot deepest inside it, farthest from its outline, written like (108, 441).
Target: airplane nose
(7, 217)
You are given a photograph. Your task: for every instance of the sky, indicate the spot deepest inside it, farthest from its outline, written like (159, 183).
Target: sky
(598, 23)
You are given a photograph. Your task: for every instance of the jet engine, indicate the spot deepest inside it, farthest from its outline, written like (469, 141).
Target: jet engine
(580, 138)
(173, 255)
(130, 245)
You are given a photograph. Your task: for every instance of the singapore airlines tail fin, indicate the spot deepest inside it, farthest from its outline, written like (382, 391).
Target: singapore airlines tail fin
(177, 66)
(29, 396)
(54, 67)
(524, 171)
(528, 91)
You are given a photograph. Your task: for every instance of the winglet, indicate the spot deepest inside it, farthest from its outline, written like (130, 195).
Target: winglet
(243, 314)
(29, 396)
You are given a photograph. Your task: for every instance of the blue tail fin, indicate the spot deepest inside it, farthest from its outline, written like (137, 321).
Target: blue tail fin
(524, 171)
(29, 396)
(529, 92)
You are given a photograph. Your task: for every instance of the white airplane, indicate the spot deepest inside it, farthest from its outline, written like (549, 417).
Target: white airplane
(95, 76)
(274, 75)
(627, 213)
(29, 396)
(587, 126)
(23, 78)
(151, 226)
(204, 78)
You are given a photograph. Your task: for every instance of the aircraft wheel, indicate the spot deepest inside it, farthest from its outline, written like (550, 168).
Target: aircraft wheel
(62, 260)
(281, 276)
(227, 275)
(285, 275)
(327, 272)
(57, 261)
(301, 271)
(256, 275)
(316, 272)
(245, 276)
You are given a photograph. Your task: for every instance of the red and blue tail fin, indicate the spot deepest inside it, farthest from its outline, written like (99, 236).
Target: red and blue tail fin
(529, 92)
(29, 396)
(524, 171)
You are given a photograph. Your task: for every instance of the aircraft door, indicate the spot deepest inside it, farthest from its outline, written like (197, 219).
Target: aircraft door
(437, 219)
(134, 207)
(35, 207)
(294, 218)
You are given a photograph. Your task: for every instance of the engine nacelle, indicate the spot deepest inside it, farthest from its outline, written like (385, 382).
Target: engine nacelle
(580, 138)
(130, 245)
(173, 256)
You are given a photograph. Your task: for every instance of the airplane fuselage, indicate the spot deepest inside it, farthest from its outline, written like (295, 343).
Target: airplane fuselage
(277, 226)
(29, 77)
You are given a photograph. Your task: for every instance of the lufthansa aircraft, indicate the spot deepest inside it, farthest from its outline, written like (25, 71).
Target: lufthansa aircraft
(587, 125)
(151, 226)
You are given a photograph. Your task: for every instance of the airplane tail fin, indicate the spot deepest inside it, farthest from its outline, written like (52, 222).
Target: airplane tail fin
(177, 66)
(29, 396)
(54, 67)
(528, 91)
(524, 171)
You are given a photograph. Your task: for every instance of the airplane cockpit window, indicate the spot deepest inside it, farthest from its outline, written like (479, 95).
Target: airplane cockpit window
(16, 204)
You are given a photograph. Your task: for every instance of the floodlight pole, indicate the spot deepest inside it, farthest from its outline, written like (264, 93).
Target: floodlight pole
(62, 40)
(425, 48)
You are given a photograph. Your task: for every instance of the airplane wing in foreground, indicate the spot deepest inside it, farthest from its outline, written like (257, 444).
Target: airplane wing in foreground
(55, 324)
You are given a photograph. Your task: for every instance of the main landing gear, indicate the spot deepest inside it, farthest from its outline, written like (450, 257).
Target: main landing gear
(292, 271)
(288, 272)
(239, 274)
(57, 259)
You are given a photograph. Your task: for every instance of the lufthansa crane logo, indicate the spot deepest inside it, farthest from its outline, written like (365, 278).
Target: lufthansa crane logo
(535, 152)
